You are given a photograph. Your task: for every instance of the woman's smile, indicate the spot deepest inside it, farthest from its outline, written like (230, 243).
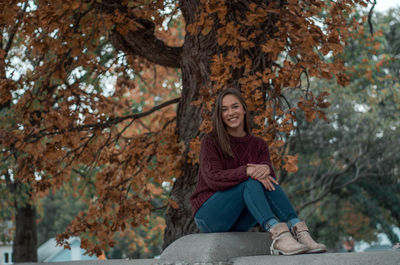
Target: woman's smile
(233, 114)
(233, 121)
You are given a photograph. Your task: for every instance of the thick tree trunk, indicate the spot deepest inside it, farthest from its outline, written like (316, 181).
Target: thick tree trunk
(196, 58)
(25, 240)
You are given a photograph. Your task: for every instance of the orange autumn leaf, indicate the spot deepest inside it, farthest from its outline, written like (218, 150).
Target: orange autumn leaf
(290, 164)
(156, 191)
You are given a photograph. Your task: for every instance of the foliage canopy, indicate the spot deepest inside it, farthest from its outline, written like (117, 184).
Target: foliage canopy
(62, 121)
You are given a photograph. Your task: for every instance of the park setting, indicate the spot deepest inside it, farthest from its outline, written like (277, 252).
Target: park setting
(126, 125)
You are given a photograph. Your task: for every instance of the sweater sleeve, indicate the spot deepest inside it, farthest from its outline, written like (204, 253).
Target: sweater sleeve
(212, 168)
(264, 157)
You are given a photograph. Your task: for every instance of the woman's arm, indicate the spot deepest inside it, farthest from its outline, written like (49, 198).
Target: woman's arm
(212, 168)
(262, 170)
(264, 158)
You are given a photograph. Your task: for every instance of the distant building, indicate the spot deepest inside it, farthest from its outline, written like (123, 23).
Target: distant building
(378, 248)
(50, 252)
(5, 244)
(5, 254)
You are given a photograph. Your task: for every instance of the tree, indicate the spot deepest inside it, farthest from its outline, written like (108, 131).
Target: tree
(347, 183)
(65, 120)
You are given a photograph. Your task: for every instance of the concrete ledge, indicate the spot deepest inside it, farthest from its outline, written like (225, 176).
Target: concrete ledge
(100, 262)
(390, 257)
(242, 248)
(216, 247)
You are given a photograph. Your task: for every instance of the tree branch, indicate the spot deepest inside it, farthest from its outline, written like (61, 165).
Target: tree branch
(14, 29)
(102, 125)
(12, 33)
(371, 27)
(143, 43)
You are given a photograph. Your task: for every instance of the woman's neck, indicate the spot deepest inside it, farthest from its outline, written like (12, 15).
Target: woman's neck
(237, 132)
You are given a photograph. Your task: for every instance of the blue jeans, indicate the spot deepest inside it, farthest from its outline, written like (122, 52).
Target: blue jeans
(241, 207)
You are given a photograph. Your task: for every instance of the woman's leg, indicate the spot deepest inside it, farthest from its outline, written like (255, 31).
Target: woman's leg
(244, 222)
(281, 206)
(226, 209)
(283, 209)
(220, 211)
(257, 203)
(239, 208)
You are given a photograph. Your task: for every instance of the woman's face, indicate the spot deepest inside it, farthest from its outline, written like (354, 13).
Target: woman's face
(232, 113)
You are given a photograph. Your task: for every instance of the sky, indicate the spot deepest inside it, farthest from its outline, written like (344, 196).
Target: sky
(383, 5)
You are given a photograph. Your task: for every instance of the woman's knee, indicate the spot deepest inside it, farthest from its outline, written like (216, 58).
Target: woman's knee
(253, 183)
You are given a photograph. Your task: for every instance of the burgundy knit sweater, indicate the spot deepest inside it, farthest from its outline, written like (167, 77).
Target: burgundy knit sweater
(217, 172)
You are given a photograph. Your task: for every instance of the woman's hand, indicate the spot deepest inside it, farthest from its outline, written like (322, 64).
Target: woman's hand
(262, 173)
(268, 182)
(258, 170)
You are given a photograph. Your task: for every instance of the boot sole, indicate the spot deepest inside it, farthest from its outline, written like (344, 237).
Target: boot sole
(280, 252)
(318, 250)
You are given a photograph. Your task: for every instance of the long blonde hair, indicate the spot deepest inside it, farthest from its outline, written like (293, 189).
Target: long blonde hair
(219, 131)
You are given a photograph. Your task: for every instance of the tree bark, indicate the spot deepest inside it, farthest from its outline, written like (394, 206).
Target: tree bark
(195, 65)
(145, 44)
(25, 240)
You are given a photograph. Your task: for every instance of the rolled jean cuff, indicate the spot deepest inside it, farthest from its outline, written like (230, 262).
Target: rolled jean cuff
(292, 222)
(270, 223)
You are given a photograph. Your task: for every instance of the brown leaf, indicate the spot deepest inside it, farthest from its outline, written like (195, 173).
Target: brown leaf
(291, 163)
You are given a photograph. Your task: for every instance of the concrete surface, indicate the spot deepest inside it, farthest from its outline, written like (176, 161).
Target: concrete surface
(216, 247)
(100, 262)
(390, 257)
(246, 248)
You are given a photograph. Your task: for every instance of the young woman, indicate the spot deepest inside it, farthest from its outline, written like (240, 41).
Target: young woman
(237, 186)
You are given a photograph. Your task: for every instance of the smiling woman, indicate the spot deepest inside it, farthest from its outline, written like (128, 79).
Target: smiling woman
(233, 115)
(230, 118)
(237, 186)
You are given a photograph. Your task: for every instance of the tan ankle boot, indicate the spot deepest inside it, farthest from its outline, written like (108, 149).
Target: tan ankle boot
(283, 242)
(300, 232)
